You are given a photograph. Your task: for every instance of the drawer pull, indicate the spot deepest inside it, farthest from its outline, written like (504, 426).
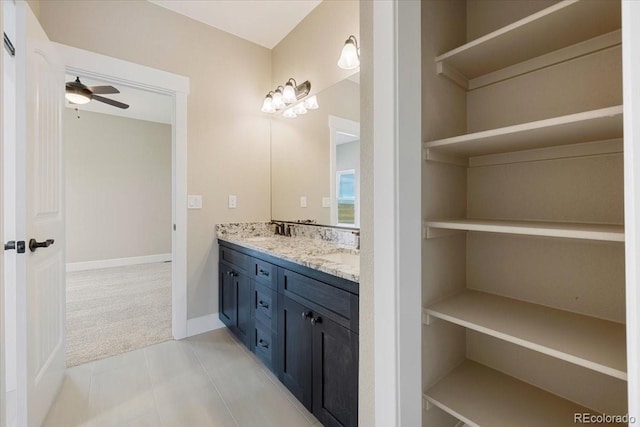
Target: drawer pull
(263, 343)
(263, 304)
(306, 314)
(315, 320)
(232, 273)
(263, 273)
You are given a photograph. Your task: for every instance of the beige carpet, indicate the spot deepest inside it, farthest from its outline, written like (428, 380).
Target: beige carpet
(115, 310)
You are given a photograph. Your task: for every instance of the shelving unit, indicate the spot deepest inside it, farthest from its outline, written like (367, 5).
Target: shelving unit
(537, 100)
(480, 396)
(554, 28)
(611, 233)
(586, 341)
(597, 125)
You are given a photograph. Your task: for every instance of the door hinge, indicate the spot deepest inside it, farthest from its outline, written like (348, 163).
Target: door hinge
(9, 46)
(174, 227)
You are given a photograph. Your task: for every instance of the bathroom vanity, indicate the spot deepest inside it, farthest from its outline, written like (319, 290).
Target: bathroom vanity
(294, 303)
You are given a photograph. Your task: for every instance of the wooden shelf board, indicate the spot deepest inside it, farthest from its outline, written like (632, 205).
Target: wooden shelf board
(563, 24)
(612, 233)
(480, 396)
(595, 125)
(595, 344)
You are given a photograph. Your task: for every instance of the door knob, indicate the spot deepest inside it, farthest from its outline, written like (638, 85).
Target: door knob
(315, 320)
(306, 314)
(34, 244)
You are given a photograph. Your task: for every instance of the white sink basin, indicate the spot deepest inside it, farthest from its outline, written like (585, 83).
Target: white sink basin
(258, 239)
(342, 258)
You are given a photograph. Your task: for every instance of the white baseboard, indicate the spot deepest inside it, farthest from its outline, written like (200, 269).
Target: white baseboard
(200, 325)
(117, 262)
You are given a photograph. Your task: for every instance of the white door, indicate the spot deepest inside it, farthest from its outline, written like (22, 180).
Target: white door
(40, 216)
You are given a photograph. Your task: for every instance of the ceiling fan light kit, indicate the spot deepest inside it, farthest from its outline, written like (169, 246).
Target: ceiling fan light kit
(78, 93)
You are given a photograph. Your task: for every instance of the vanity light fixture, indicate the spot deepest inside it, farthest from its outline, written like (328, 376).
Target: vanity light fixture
(278, 102)
(299, 108)
(285, 96)
(289, 113)
(350, 55)
(267, 105)
(289, 94)
(311, 103)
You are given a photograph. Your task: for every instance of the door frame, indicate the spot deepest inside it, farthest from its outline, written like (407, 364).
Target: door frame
(93, 65)
(3, 400)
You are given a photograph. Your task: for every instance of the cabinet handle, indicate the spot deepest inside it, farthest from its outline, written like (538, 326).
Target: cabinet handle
(315, 320)
(263, 273)
(306, 314)
(263, 343)
(263, 304)
(232, 273)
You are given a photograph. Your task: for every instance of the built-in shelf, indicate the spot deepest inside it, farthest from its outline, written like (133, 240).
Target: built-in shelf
(586, 341)
(480, 396)
(611, 233)
(564, 24)
(595, 125)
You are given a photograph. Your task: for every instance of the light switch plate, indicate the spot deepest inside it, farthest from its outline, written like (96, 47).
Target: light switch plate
(194, 202)
(303, 201)
(326, 202)
(233, 201)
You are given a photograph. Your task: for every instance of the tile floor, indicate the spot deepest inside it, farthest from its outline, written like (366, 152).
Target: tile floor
(206, 380)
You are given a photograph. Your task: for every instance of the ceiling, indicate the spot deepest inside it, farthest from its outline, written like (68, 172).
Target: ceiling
(264, 22)
(143, 105)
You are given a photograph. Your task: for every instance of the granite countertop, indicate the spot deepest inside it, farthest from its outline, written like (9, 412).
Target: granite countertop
(314, 253)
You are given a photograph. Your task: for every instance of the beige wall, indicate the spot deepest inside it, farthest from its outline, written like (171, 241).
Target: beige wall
(118, 179)
(35, 7)
(311, 50)
(300, 154)
(227, 134)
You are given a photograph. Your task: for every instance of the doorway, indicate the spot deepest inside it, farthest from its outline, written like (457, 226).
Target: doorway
(89, 65)
(118, 200)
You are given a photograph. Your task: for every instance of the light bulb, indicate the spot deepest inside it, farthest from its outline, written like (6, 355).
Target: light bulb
(289, 94)
(267, 105)
(311, 103)
(278, 102)
(77, 98)
(300, 109)
(349, 58)
(289, 114)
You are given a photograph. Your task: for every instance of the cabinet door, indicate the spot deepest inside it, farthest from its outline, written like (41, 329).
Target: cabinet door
(294, 335)
(227, 308)
(243, 298)
(335, 373)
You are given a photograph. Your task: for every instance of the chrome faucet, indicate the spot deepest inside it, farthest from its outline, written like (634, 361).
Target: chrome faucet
(357, 238)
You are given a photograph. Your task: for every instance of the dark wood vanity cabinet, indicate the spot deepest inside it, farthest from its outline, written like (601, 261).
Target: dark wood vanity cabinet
(303, 325)
(234, 296)
(320, 364)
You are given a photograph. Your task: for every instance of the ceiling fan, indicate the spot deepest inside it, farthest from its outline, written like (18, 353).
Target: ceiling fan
(78, 93)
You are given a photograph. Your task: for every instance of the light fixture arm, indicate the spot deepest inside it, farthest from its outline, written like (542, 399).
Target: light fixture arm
(355, 42)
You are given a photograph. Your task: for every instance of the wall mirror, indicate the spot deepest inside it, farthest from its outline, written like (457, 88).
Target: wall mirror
(315, 160)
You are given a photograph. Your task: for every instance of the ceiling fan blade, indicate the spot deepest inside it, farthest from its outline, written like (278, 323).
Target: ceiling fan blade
(103, 90)
(110, 102)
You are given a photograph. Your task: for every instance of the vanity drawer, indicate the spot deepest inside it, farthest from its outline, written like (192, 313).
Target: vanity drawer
(234, 257)
(264, 272)
(263, 303)
(263, 344)
(319, 295)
